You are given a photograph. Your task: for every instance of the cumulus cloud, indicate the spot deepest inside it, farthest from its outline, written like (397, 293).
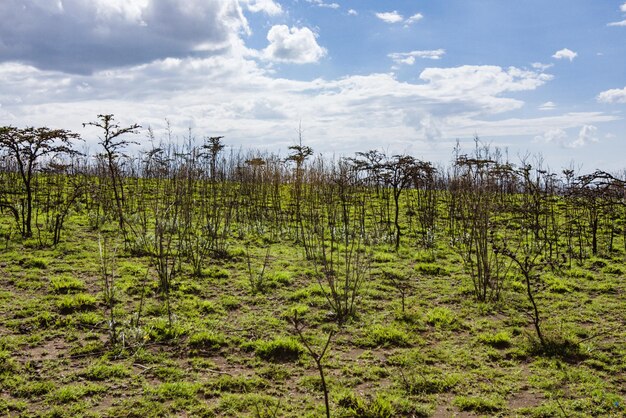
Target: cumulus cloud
(390, 17)
(237, 97)
(293, 45)
(586, 134)
(565, 54)
(269, 7)
(82, 36)
(395, 17)
(612, 96)
(540, 66)
(415, 18)
(556, 135)
(321, 3)
(409, 57)
(622, 22)
(352, 12)
(547, 106)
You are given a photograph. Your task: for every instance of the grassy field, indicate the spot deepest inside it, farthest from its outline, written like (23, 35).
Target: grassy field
(232, 351)
(189, 284)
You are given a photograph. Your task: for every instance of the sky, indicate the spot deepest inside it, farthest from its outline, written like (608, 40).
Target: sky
(540, 80)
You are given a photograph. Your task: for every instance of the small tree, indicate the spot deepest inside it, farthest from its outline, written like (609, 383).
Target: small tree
(318, 356)
(113, 146)
(27, 147)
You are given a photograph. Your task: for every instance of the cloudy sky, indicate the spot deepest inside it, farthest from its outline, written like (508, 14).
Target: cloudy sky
(531, 77)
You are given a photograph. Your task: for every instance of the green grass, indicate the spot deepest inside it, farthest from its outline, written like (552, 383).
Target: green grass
(230, 352)
(279, 349)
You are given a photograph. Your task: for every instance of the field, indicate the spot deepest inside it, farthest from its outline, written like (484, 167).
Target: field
(256, 286)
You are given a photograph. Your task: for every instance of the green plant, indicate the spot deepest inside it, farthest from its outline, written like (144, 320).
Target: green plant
(103, 371)
(427, 381)
(279, 349)
(74, 303)
(207, 340)
(500, 339)
(441, 317)
(358, 407)
(384, 336)
(487, 405)
(66, 284)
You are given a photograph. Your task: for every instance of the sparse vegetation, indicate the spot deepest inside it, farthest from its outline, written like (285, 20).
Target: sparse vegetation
(178, 282)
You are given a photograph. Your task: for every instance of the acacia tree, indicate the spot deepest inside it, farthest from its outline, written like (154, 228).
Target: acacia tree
(28, 147)
(299, 154)
(113, 146)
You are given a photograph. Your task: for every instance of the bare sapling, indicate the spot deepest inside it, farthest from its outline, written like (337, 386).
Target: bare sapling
(317, 355)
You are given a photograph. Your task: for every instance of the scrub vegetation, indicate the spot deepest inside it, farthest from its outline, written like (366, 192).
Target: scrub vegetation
(188, 280)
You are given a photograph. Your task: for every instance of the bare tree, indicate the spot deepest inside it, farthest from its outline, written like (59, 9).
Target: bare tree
(113, 145)
(27, 147)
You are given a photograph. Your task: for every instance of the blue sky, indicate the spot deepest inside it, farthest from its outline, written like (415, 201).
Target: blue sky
(533, 77)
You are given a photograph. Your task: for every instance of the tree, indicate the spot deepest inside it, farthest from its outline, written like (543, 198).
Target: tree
(27, 147)
(113, 145)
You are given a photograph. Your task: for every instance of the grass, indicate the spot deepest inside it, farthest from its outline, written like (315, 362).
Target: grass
(230, 352)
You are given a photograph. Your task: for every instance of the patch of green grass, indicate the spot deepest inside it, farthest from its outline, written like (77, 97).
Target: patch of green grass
(160, 330)
(103, 371)
(422, 380)
(557, 284)
(384, 336)
(480, 404)
(210, 308)
(236, 404)
(230, 303)
(207, 340)
(279, 349)
(430, 269)
(173, 390)
(500, 339)
(442, 317)
(235, 384)
(7, 364)
(34, 263)
(66, 284)
(74, 392)
(383, 257)
(90, 347)
(615, 270)
(33, 389)
(354, 406)
(75, 303)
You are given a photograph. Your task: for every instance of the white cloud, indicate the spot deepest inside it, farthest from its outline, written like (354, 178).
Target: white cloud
(409, 57)
(540, 66)
(622, 8)
(547, 106)
(352, 12)
(565, 54)
(620, 23)
(390, 17)
(269, 7)
(555, 135)
(293, 45)
(321, 3)
(586, 134)
(415, 18)
(612, 96)
(235, 96)
(395, 17)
